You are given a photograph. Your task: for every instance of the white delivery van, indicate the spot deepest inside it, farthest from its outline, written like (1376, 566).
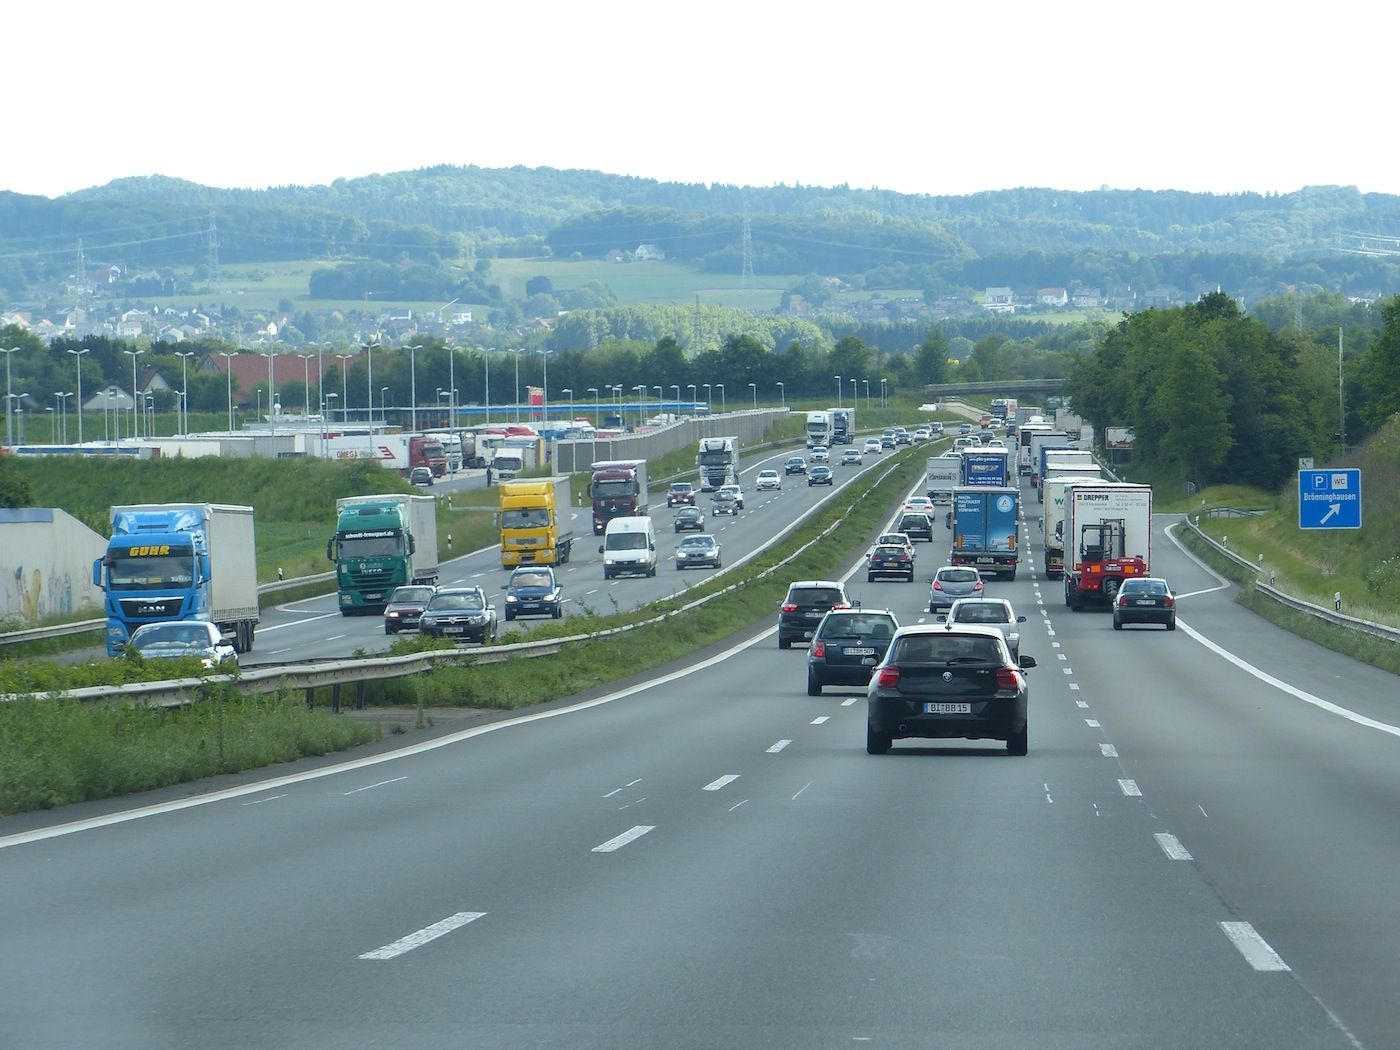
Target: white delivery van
(629, 546)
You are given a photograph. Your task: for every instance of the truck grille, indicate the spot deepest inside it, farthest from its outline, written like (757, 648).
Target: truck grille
(162, 608)
(526, 541)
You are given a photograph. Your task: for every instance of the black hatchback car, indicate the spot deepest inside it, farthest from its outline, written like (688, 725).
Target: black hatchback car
(689, 518)
(1145, 599)
(948, 682)
(847, 646)
(534, 591)
(889, 559)
(916, 526)
(795, 465)
(801, 612)
(819, 475)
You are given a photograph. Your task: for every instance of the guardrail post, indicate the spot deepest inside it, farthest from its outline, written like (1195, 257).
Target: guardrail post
(310, 697)
(335, 698)
(360, 695)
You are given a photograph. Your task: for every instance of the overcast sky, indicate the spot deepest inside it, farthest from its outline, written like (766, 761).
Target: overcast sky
(920, 98)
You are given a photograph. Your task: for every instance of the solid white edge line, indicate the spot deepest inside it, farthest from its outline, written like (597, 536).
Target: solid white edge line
(618, 841)
(1255, 949)
(1171, 846)
(423, 936)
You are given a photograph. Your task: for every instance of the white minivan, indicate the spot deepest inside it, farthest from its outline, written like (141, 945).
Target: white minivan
(629, 546)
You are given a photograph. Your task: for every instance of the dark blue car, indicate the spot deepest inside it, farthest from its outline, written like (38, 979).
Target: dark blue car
(534, 590)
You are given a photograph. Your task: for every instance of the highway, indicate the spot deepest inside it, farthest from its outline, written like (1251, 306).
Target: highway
(315, 628)
(1195, 853)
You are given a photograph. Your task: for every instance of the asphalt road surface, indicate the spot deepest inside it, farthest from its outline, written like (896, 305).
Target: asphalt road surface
(1197, 852)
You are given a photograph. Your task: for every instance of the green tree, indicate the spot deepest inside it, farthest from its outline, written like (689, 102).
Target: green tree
(1379, 370)
(1193, 412)
(14, 488)
(931, 359)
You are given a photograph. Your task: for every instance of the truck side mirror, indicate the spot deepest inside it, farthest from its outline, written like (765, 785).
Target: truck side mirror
(97, 575)
(204, 572)
(412, 545)
(600, 548)
(330, 554)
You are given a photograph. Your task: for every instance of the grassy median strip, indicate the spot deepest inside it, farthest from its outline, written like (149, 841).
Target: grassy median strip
(53, 752)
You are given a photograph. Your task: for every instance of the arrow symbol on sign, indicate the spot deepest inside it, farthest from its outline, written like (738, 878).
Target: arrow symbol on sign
(1332, 511)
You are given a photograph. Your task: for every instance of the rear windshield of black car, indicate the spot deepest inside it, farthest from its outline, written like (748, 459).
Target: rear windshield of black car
(947, 648)
(815, 596)
(1154, 587)
(859, 625)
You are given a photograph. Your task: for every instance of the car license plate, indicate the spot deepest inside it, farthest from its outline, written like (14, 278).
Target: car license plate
(1144, 601)
(374, 597)
(853, 651)
(985, 560)
(454, 630)
(947, 709)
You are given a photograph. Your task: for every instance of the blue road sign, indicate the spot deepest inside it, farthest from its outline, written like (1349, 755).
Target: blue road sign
(1329, 499)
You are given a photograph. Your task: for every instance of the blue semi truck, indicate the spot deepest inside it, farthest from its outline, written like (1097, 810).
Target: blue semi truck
(984, 529)
(179, 561)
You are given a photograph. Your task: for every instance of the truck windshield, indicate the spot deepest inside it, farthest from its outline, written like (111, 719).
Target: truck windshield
(619, 489)
(145, 572)
(716, 459)
(508, 462)
(374, 545)
(527, 518)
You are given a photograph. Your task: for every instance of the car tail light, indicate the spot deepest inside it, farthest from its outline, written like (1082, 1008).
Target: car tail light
(1008, 678)
(789, 607)
(1169, 601)
(1122, 600)
(888, 677)
(819, 648)
(977, 586)
(937, 586)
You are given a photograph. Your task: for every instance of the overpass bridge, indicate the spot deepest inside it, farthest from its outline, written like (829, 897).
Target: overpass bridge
(996, 388)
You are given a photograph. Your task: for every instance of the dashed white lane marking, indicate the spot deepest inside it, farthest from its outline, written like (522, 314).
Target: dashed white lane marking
(1203, 811)
(634, 783)
(424, 936)
(335, 637)
(613, 792)
(849, 701)
(715, 785)
(478, 575)
(368, 786)
(1074, 686)
(275, 652)
(820, 719)
(593, 591)
(1172, 846)
(1054, 645)
(630, 835)
(1061, 656)
(1255, 949)
(1067, 670)
(1108, 750)
(778, 746)
(1130, 788)
(1092, 723)
(296, 623)
(736, 805)
(1081, 703)
(260, 801)
(803, 788)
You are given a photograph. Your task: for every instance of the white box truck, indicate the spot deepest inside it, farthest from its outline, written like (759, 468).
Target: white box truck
(1108, 539)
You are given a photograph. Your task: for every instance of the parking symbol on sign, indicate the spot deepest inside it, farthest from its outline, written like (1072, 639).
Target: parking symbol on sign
(1319, 481)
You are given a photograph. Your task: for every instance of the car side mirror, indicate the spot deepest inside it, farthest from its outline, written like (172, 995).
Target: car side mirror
(505, 586)
(1020, 619)
(1026, 662)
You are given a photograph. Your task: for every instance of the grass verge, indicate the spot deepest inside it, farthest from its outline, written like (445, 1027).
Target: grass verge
(54, 752)
(1363, 647)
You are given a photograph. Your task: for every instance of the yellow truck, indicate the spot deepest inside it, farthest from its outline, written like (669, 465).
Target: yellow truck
(536, 517)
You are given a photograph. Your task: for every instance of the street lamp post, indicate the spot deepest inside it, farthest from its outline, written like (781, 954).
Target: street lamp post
(867, 394)
(332, 396)
(150, 415)
(754, 388)
(228, 369)
(516, 355)
(782, 394)
(9, 394)
(413, 385)
(838, 391)
(184, 356)
(384, 405)
(691, 388)
(677, 388)
(369, 395)
(135, 419)
(723, 408)
(306, 383)
(855, 394)
(708, 405)
(486, 364)
(271, 386)
(61, 418)
(344, 381)
(884, 393)
(19, 413)
(641, 388)
(79, 355)
(451, 386)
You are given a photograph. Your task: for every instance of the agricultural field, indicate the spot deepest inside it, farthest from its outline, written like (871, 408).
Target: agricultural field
(643, 283)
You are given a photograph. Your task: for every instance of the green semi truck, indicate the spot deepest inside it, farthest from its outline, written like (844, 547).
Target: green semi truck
(380, 543)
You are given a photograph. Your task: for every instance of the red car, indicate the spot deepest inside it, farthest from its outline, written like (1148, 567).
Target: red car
(680, 492)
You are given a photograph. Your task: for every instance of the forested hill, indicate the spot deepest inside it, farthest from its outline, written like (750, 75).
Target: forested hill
(448, 212)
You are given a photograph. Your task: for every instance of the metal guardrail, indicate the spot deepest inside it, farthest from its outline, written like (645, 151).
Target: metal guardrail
(1332, 616)
(182, 691)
